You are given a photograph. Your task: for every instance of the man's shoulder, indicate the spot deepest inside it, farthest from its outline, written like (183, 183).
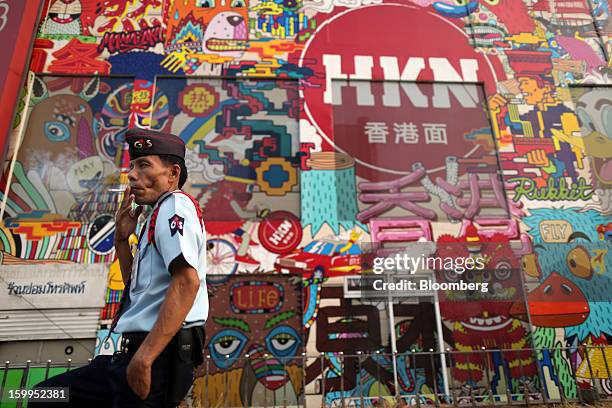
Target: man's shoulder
(177, 201)
(181, 204)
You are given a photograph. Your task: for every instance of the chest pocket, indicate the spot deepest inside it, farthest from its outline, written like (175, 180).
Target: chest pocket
(145, 269)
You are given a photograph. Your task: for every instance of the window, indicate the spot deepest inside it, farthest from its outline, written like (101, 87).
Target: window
(242, 143)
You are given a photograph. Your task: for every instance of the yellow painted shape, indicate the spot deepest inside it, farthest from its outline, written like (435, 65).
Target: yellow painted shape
(515, 117)
(598, 357)
(599, 261)
(526, 38)
(115, 280)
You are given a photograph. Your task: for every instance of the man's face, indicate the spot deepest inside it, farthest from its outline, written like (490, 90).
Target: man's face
(533, 92)
(149, 178)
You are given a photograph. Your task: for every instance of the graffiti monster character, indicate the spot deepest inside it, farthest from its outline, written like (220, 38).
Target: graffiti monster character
(68, 17)
(214, 27)
(254, 337)
(482, 319)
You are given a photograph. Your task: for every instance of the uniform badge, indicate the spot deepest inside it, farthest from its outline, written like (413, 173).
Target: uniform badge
(143, 144)
(176, 224)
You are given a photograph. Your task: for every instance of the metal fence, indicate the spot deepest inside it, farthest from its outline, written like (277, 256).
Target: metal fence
(337, 388)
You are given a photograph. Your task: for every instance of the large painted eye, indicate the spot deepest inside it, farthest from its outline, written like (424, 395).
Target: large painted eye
(237, 3)
(205, 3)
(530, 266)
(450, 275)
(503, 270)
(585, 121)
(492, 2)
(283, 341)
(57, 131)
(226, 343)
(606, 120)
(579, 262)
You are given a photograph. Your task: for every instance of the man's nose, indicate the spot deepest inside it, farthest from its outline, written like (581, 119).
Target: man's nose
(132, 175)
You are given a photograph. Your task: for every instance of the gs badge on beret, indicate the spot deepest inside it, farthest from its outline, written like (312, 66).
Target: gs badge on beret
(176, 224)
(143, 144)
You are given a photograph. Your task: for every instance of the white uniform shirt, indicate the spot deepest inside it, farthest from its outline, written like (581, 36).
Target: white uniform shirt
(177, 232)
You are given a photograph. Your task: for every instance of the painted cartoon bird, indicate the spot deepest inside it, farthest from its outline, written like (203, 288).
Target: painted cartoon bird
(574, 277)
(573, 295)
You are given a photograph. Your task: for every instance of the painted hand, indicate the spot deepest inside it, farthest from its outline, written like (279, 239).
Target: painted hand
(538, 158)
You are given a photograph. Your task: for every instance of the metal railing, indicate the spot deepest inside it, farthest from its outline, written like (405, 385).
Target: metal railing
(495, 377)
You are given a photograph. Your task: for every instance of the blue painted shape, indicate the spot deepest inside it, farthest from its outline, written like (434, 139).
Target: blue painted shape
(276, 176)
(453, 11)
(553, 258)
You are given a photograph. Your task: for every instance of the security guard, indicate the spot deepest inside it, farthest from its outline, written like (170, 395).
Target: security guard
(165, 303)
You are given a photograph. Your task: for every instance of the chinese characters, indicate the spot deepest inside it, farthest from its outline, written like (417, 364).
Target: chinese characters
(406, 132)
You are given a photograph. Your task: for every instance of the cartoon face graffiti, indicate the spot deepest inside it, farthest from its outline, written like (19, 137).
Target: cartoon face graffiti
(127, 105)
(483, 319)
(536, 91)
(219, 27)
(226, 34)
(594, 111)
(59, 127)
(112, 122)
(490, 308)
(254, 335)
(63, 17)
(575, 276)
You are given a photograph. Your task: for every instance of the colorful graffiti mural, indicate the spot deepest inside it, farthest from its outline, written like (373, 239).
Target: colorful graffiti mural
(254, 337)
(484, 319)
(60, 202)
(573, 291)
(318, 132)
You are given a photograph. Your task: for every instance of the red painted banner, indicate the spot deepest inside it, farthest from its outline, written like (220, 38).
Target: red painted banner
(131, 40)
(438, 51)
(387, 126)
(18, 20)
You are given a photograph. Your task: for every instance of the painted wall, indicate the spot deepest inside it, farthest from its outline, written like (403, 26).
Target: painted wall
(285, 154)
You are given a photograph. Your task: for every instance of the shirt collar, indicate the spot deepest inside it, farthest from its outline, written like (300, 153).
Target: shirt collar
(163, 196)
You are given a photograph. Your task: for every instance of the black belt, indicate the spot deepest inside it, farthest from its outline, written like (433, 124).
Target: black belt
(131, 341)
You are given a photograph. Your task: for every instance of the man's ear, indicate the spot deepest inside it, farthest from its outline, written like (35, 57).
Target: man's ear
(175, 171)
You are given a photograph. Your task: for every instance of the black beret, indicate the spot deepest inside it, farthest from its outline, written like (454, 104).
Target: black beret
(144, 142)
